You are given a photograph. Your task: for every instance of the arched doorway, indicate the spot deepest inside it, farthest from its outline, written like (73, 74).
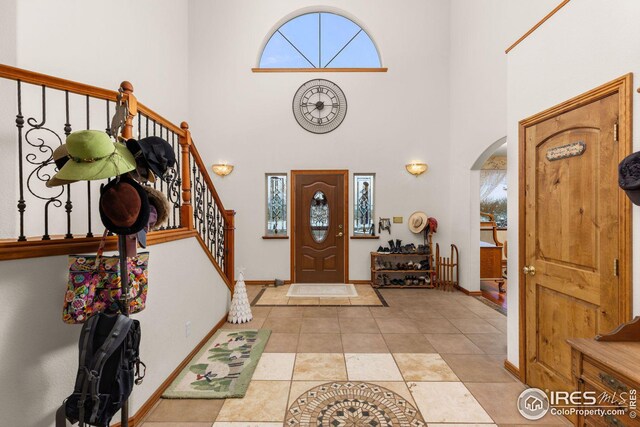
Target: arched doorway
(488, 225)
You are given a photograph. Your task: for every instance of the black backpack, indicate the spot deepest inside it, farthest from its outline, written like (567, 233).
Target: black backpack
(109, 360)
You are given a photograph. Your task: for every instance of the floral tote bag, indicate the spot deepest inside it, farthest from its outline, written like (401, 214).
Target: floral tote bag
(94, 285)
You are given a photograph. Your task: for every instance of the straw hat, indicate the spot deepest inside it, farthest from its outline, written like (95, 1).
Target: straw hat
(418, 222)
(93, 155)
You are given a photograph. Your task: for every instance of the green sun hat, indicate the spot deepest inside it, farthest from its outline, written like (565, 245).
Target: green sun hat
(93, 155)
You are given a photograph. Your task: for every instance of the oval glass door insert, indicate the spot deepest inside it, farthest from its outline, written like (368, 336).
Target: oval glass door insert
(319, 217)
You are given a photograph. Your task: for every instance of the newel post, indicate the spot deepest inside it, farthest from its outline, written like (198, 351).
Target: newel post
(229, 243)
(126, 89)
(186, 210)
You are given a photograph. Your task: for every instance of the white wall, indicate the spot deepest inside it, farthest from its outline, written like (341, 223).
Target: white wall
(245, 118)
(587, 43)
(8, 34)
(481, 30)
(105, 42)
(39, 352)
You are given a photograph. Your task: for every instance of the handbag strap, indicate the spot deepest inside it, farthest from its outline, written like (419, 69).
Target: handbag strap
(103, 242)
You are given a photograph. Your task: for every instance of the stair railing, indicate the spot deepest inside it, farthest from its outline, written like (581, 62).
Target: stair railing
(63, 220)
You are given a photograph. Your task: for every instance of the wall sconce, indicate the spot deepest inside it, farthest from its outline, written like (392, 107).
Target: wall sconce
(416, 168)
(222, 169)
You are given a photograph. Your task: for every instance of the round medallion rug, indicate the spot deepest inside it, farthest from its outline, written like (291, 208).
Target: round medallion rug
(352, 404)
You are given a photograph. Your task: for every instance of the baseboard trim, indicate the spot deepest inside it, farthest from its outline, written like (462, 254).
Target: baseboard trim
(511, 368)
(263, 282)
(288, 282)
(470, 293)
(155, 397)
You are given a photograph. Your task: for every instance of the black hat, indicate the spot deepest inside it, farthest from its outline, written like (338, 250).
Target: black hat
(124, 206)
(153, 153)
(629, 176)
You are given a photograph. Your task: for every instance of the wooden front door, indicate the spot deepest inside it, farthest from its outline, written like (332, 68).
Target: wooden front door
(574, 229)
(319, 247)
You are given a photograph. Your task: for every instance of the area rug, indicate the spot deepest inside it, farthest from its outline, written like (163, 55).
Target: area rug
(276, 297)
(322, 290)
(352, 404)
(223, 368)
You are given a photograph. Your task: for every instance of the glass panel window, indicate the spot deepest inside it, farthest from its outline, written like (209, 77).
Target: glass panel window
(363, 204)
(319, 217)
(276, 204)
(320, 40)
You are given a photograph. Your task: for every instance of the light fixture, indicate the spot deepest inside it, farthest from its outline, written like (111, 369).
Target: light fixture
(222, 169)
(416, 168)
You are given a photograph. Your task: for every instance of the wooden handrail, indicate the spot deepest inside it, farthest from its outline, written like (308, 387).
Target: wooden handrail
(26, 76)
(537, 25)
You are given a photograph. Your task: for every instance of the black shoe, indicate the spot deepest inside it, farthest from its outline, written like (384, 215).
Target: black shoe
(380, 249)
(392, 246)
(398, 244)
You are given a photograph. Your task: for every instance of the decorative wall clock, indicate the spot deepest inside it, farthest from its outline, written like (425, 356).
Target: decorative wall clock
(319, 106)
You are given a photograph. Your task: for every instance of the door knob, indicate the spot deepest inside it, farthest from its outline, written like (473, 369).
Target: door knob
(529, 269)
(339, 234)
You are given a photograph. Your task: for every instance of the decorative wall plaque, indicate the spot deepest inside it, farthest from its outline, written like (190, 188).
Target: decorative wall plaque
(570, 150)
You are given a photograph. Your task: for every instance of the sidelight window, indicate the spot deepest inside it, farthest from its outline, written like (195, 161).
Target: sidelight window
(276, 218)
(363, 204)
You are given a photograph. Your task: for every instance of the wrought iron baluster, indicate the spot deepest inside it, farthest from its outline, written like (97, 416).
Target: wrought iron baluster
(221, 242)
(154, 132)
(22, 204)
(42, 171)
(68, 206)
(173, 185)
(89, 233)
(210, 222)
(178, 182)
(108, 129)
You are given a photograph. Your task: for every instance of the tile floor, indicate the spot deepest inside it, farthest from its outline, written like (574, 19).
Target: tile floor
(443, 352)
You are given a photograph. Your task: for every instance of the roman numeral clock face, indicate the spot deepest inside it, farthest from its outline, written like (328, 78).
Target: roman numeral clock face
(319, 106)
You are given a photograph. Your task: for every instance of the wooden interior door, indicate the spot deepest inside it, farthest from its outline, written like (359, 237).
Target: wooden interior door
(319, 248)
(574, 244)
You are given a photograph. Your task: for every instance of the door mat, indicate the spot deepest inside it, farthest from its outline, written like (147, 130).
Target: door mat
(223, 368)
(322, 290)
(276, 297)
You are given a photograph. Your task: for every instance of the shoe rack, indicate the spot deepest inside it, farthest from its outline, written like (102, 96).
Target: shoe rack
(404, 269)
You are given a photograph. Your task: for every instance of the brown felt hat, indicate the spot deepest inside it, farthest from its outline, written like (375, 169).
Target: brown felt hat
(124, 206)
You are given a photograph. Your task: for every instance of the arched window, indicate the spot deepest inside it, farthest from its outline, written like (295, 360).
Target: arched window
(320, 40)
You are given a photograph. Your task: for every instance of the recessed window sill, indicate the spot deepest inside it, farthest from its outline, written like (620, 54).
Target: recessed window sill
(365, 237)
(275, 237)
(319, 70)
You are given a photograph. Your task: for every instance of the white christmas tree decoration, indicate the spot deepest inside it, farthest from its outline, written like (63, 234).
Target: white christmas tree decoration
(240, 311)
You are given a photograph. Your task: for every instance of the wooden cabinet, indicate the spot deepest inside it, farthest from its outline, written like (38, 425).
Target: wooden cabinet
(491, 263)
(607, 369)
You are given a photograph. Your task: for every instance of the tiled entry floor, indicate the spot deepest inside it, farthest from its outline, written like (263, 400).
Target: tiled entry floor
(443, 352)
